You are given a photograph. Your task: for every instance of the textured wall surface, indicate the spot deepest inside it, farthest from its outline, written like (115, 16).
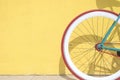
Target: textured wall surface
(31, 33)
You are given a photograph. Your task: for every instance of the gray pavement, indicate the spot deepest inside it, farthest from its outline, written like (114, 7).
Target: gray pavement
(39, 77)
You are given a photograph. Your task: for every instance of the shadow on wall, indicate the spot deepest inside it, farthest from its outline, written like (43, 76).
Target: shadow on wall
(107, 3)
(62, 71)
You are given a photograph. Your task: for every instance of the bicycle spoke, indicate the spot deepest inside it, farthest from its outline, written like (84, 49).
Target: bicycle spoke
(102, 26)
(91, 29)
(83, 54)
(86, 39)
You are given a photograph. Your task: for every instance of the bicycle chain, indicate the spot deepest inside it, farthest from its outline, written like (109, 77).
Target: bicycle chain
(110, 53)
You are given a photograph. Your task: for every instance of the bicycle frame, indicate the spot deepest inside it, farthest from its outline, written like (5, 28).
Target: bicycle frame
(101, 45)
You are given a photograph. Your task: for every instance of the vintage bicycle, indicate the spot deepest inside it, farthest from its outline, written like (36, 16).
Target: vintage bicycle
(91, 45)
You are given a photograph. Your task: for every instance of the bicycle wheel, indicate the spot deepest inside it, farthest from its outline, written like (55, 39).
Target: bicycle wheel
(79, 46)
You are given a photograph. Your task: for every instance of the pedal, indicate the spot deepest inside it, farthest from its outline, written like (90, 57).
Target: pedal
(118, 53)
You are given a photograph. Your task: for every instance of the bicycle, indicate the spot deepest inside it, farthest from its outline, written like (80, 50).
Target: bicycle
(91, 45)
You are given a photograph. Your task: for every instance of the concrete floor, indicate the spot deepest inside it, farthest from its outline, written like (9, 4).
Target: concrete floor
(36, 77)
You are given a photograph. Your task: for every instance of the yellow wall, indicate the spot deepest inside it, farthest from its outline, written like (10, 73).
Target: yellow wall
(31, 32)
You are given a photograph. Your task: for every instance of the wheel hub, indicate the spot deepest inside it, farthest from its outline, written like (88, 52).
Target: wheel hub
(98, 47)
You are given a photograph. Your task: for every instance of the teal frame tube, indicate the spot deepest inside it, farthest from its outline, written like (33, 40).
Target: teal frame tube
(107, 34)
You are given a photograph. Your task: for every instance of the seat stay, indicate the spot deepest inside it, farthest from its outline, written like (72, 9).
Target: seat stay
(109, 30)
